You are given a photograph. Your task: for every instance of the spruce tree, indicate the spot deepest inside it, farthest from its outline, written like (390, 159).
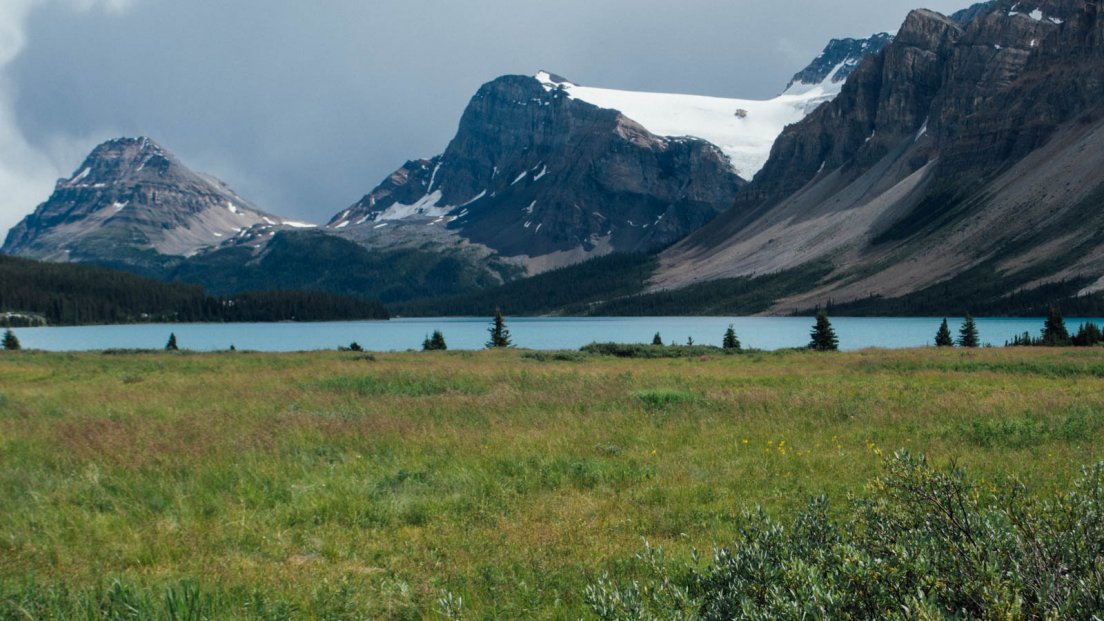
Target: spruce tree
(823, 336)
(500, 336)
(657, 339)
(730, 341)
(1054, 331)
(435, 342)
(968, 333)
(11, 343)
(1088, 335)
(171, 345)
(943, 336)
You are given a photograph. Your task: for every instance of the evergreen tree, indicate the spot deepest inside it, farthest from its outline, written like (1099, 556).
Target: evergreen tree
(1054, 331)
(1088, 335)
(171, 345)
(500, 336)
(657, 339)
(11, 343)
(823, 335)
(943, 336)
(435, 342)
(689, 341)
(730, 340)
(968, 333)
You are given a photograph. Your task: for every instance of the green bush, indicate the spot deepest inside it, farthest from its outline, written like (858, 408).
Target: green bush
(923, 543)
(663, 398)
(639, 350)
(555, 356)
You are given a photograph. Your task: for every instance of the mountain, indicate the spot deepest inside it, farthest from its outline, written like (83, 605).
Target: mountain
(133, 204)
(545, 173)
(959, 167)
(835, 64)
(542, 173)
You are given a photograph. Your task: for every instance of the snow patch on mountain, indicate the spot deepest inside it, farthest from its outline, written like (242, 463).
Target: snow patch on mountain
(744, 129)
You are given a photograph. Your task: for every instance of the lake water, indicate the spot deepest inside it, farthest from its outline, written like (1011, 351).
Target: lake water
(533, 333)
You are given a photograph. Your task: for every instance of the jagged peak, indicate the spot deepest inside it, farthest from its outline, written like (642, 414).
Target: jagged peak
(552, 81)
(122, 157)
(970, 13)
(926, 28)
(839, 58)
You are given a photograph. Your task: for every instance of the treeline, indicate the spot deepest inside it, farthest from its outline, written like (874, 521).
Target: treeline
(572, 290)
(1055, 334)
(986, 292)
(316, 261)
(728, 296)
(67, 294)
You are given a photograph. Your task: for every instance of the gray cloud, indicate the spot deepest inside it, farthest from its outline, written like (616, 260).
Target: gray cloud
(305, 106)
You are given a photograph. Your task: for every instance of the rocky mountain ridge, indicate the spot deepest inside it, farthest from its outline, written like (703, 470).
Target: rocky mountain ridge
(961, 147)
(545, 173)
(133, 204)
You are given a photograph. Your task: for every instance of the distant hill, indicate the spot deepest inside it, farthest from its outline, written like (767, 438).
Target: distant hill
(66, 294)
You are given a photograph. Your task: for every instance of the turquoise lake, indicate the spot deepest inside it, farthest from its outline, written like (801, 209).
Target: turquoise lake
(529, 332)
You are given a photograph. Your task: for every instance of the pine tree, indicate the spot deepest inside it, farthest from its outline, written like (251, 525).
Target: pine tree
(1088, 335)
(730, 340)
(968, 333)
(171, 345)
(657, 339)
(1054, 331)
(435, 342)
(823, 336)
(11, 343)
(500, 336)
(943, 336)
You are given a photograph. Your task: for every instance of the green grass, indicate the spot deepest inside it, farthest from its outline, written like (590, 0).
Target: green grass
(325, 485)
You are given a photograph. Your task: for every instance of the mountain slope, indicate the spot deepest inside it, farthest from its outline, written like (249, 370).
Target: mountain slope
(535, 173)
(546, 173)
(959, 147)
(132, 203)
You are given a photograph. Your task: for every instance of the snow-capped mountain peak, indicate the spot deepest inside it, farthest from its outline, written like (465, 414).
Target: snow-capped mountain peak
(744, 129)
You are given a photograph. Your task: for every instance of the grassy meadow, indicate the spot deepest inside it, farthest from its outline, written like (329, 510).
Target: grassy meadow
(485, 485)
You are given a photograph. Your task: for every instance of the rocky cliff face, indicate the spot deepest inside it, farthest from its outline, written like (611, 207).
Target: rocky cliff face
(839, 60)
(133, 204)
(533, 172)
(960, 146)
(545, 173)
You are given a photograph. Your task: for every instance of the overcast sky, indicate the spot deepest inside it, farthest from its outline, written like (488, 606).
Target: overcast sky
(303, 106)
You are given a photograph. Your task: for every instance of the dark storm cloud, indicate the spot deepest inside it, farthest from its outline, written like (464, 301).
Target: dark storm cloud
(305, 106)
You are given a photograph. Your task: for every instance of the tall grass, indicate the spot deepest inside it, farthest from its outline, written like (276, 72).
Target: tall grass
(319, 485)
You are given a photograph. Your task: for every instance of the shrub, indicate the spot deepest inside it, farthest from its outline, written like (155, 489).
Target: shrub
(639, 350)
(924, 543)
(663, 398)
(555, 356)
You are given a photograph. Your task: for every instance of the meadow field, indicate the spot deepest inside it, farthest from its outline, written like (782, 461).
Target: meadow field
(497, 484)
